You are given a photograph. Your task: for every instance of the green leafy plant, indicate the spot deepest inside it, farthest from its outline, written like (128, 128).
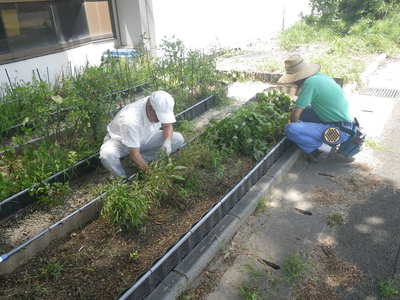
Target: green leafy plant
(388, 289)
(253, 128)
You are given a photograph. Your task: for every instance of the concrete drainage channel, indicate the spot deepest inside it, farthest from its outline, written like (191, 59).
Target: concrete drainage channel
(380, 92)
(21, 254)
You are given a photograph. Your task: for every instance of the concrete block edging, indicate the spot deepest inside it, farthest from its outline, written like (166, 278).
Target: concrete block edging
(191, 267)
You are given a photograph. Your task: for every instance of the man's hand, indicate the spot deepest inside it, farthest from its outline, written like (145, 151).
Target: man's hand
(136, 157)
(167, 146)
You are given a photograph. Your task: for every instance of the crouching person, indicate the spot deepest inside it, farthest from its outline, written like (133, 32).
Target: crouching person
(141, 130)
(320, 121)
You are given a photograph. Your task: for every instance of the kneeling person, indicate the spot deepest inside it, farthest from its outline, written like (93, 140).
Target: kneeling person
(320, 120)
(140, 130)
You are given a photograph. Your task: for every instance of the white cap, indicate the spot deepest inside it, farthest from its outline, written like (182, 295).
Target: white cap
(163, 105)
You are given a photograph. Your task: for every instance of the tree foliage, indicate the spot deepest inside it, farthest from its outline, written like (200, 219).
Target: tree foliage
(351, 11)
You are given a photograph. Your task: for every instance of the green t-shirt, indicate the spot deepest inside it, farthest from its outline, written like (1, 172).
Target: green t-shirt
(325, 97)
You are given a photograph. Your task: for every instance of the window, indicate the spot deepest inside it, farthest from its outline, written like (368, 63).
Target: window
(71, 18)
(35, 27)
(98, 15)
(26, 26)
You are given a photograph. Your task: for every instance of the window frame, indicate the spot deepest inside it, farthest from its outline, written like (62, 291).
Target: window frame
(59, 46)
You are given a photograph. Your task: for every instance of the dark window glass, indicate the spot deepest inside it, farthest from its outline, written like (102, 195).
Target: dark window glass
(71, 19)
(26, 26)
(45, 25)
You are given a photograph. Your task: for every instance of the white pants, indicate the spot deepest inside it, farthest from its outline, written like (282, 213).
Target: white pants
(113, 150)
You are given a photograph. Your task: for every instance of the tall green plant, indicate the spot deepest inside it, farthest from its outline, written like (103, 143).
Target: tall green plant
(127, 205)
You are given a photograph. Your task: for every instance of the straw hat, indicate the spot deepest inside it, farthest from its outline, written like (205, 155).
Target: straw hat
(297, 69)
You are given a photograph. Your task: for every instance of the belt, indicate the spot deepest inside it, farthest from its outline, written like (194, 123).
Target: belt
(344, 124)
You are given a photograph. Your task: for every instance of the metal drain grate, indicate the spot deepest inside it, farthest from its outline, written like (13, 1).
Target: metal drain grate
(380, 92)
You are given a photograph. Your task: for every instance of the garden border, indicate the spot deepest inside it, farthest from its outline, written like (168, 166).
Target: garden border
(21, 254)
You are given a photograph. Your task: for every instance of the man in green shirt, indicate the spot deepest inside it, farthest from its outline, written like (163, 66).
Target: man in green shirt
(320, 105)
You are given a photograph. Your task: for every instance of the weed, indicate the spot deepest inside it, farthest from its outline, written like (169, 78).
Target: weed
(134, 255)
(335, 218)
(388, 289)
(253, 273)
(127, 205)
(250, 293)
(294, 268)
(261, 205)
(51, 270)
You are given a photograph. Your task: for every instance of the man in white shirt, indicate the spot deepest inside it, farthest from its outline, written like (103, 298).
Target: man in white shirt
(140, 130)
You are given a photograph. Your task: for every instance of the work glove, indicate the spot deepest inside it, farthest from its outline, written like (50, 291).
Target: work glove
(167, 146)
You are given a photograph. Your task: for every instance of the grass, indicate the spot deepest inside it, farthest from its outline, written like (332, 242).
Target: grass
(262, 205)
(335, 219)
(388, 289)
(343, 54)
(294, 268)
(250, 293)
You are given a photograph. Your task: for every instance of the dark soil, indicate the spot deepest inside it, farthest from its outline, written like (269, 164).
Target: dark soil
(101, 261)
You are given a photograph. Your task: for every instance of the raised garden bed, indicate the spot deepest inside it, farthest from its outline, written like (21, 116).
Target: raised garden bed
(110, 259)
(19, 200)
(28, 237)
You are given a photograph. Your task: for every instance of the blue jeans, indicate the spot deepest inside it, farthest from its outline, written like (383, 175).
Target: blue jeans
(308, 133)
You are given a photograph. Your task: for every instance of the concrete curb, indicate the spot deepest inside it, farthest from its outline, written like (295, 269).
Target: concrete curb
(192, 266)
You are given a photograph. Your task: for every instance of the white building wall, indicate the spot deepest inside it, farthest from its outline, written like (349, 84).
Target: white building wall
(135, 20)
(224, 22)
(53, 64)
